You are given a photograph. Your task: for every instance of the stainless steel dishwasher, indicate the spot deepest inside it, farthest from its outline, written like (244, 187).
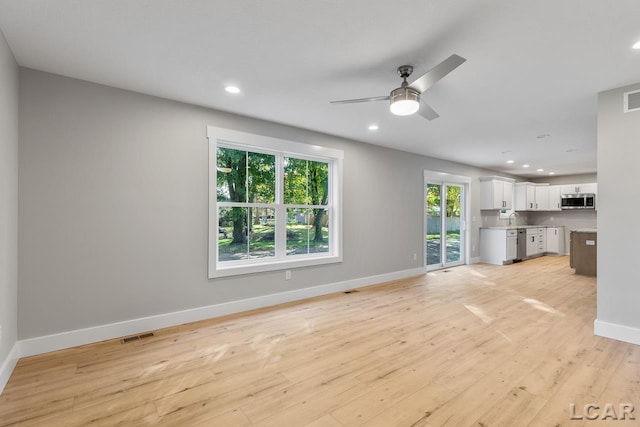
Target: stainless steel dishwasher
(522, 244)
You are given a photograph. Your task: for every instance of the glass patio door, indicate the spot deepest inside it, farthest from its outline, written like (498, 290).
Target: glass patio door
(444, 225)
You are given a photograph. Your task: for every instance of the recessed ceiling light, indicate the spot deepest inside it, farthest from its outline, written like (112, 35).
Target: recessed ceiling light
(539, 170)
(510, 161)
(636, 46)
(373, 127)
(525, 166)
(232, 89)
(552, 173)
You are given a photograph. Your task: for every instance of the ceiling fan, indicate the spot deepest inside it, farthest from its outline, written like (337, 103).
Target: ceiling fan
(405, 100)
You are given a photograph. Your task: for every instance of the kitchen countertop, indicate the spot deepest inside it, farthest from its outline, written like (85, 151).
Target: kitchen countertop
(584, 230)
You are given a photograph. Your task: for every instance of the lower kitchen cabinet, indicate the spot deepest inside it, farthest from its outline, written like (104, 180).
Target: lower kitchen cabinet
(555, 240)
(498, 246)
(536, 241)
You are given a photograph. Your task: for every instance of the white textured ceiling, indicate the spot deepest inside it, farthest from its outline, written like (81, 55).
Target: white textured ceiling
(533, 66)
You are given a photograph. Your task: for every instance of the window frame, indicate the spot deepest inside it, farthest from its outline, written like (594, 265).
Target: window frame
(281, 148)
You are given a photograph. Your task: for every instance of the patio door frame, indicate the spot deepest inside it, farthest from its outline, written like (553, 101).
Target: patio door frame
(443, 179)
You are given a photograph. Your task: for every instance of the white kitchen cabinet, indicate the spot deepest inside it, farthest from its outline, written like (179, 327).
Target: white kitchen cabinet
(532, 245)
(524, 196)
(542, 241)
(555, 202)
(496, 193)
(589, 188)
(542, 197)
(531, 197)
(555, 240)
(498, 246)
(512, 245)
(535, 241)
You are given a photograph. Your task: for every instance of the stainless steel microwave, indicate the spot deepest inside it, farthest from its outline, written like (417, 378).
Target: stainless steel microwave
(578, 201)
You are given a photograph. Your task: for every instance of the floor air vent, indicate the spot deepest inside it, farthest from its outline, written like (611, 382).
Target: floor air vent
(136, 337)
(351, 291)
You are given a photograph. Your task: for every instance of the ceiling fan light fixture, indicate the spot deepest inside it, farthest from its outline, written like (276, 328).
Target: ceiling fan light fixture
(404, 101)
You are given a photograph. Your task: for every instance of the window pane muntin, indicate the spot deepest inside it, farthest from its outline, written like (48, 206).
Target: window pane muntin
(262, 233)
(245, 233)
(307, 231)
(261, 176)
(295, 181)
(319, 240)
(231, 175)
(232, 226)
(298, 225)
(318, 182)
(306, 182)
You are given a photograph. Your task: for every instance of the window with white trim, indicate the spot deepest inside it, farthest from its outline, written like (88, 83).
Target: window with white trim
(273, 204)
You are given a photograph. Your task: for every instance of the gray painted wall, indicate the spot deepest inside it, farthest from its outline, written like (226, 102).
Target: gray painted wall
(113, 207)
(618, 236)
(8, 200)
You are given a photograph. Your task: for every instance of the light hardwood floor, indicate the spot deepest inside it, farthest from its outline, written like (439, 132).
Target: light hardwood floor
(475, 345)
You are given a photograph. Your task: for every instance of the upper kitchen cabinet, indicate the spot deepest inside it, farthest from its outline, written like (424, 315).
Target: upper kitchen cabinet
(524, 196)
(590, 188)
(496, 192)
(531, 197)
(542, 197)
(555, 201)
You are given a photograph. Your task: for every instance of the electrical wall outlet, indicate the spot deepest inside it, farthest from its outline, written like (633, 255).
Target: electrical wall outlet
(415, 257)
(287, 275)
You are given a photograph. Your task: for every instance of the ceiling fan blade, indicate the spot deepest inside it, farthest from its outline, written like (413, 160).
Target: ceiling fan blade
(352, 101)
(430, 78)
(427, 112)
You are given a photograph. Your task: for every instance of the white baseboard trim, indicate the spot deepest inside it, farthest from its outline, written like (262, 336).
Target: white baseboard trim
(616, 332)
(8, 365)
(45, 344)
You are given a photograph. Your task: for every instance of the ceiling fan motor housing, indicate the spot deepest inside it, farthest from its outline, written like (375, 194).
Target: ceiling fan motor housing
(404, 101)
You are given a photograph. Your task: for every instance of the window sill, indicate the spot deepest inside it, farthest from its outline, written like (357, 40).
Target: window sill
(237, 270)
